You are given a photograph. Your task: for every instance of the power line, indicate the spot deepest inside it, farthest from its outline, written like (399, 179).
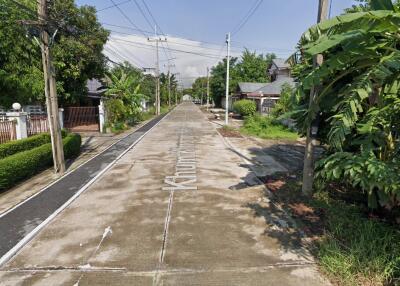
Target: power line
(127, 18)
(112, 6)
(155, 22)
(137, 63)
(247, 17)
(151, 47)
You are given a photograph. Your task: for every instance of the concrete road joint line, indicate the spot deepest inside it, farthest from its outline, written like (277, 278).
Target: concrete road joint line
(68, 173)
(13, 251)
(185, 169)
(255, 269)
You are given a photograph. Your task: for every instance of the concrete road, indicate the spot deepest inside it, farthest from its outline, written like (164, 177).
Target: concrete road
(180, 208)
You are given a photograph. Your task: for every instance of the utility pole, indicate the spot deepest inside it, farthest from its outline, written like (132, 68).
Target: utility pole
(50, 91)
(156, 39)
(312, 130)
(176, 92)
(208, 87)
(169, 83)
(228, 59)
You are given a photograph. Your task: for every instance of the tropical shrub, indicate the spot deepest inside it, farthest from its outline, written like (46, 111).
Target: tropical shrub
(286, 102)
(124, 95)
(357, 103)
(23, 165)
(245, 107)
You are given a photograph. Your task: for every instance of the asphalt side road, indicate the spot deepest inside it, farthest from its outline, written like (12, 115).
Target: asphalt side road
(179, 208)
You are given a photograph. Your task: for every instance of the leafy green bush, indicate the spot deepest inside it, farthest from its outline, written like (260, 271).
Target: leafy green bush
(380, 179)
(16, 146)
(23, 165)
(245, 107)
(13, 147)
(266, 128)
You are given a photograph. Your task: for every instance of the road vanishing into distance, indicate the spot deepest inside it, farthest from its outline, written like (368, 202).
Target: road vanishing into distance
(175, 206)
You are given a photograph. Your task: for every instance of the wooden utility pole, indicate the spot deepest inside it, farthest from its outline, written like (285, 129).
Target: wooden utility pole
(50, 91)
(308, 167)
(157, 40)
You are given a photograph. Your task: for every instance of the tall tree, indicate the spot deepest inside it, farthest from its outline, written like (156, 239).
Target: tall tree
(253, 67)
(77, 51)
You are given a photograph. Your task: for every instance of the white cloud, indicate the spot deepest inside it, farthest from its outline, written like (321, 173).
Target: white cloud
(191, 57)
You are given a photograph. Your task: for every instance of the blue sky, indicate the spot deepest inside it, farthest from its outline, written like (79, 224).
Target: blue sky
(275, 27)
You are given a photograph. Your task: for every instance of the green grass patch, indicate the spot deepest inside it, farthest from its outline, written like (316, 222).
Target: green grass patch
(356, 249)
(266, 128)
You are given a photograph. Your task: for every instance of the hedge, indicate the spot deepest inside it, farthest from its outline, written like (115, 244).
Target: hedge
(16, 146)
(23, 165)
(13, 147)
(245, 107)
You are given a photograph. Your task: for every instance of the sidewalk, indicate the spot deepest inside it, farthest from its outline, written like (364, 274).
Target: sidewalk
(92, 145)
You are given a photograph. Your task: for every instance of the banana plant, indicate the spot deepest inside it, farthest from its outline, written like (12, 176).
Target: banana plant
(358, 98)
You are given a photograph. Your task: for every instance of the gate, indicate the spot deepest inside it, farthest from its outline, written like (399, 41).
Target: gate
(81, 118)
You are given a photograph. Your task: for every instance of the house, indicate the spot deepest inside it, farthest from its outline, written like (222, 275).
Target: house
(267, 94)
(96, 90)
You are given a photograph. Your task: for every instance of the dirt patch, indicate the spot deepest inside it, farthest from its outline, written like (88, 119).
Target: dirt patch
(287, 190)
(229, 132)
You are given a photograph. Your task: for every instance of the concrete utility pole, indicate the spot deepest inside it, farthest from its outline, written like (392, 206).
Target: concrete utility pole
(156, 39)
(50, 91)
(308, 167)
(228, 59)
(169, 83)
(208, 87)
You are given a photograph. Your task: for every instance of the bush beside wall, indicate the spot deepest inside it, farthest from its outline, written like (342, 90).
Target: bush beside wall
(23, 165)
(13, 147)
(16, 146)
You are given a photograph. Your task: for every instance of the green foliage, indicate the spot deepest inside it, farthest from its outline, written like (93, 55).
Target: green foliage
(250, 68)
(16, 146)
(356, 250)
(199, 89)
(77, 51)
(23, 165)
(380, 179)
(253, 67)
(124, 95)
(245, 107)
(164, 88)
(266, 128)
(286, 102)
(358, 99)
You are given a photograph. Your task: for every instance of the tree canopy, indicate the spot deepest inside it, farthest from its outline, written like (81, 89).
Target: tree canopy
(251, 67)
(77, 51)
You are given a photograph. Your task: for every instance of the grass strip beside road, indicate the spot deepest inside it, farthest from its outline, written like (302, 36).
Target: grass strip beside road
(353, 246)
(266, 128)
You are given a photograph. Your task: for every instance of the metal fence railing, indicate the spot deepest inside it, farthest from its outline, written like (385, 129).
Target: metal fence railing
(37, 123)
(8, 130)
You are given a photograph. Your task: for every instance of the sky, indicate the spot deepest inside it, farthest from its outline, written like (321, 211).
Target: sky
(195, 30)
